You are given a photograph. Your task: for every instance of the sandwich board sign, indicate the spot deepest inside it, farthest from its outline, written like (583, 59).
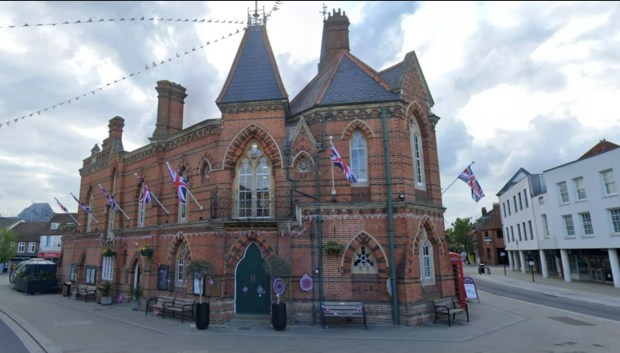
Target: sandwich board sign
(470, 289)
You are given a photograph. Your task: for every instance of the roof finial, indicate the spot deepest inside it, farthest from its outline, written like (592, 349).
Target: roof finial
(324, 12)
(255, 9)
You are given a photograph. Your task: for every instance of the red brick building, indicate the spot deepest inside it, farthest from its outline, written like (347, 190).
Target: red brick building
(262, 184)
(489, 238)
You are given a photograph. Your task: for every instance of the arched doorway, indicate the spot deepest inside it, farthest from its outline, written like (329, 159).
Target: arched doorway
(252, 293)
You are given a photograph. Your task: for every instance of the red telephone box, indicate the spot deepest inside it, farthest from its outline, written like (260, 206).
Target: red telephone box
(459, 282)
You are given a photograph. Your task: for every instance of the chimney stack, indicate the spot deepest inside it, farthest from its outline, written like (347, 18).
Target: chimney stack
(115, 131)
(335, 37)
(171, 99)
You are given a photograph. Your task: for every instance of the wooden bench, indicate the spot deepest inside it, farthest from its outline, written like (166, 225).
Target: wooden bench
(156, 304)
(449, 307)
(84, 290)
(181, 306)
(343, 309)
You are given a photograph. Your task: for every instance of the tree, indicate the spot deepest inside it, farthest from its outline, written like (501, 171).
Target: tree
(199, 269)
(458, 235)
(8, 245)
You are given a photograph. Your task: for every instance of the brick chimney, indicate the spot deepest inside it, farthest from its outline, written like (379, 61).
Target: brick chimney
(115, 131)
(484, 211)
(171, 99)
(335, 37)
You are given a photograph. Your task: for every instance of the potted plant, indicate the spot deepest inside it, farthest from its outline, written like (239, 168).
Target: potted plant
(136, 295)
(199, 269)
(106, 297)
(146, 251)
(277, 267)
(333, 248)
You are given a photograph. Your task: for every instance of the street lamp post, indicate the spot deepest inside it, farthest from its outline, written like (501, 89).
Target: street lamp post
(503, 256)
(532, 268)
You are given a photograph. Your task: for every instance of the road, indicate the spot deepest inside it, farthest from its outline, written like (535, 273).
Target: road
(597, 310)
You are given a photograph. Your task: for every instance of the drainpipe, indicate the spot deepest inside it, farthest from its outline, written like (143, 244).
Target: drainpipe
(388, 178)
(319, 228)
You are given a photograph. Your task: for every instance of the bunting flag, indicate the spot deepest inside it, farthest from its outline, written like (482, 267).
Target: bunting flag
(470, 179)
(7, 123)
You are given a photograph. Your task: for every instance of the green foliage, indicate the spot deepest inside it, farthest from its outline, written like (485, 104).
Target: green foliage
(106, 288)
(8, 245)
(200, 269)
(277, 267)
(333, 248)
(458, 235)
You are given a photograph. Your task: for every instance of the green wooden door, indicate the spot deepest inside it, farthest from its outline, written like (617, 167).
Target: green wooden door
(253, 294)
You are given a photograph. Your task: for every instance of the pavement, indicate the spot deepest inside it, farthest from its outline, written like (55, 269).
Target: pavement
(55, 324)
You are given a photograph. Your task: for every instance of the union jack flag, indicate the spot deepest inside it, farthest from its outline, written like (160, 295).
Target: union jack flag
(61, 206)
(146, 192)
(111, 201)
(84, 206)
(180, 184)
(470, 179)
(340, 162)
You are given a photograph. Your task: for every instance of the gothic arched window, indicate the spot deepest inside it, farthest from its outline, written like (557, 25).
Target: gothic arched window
(359, 157)
(254, 185)
(417, 156)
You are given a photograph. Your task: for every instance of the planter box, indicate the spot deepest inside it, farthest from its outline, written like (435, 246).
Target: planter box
(35, 286)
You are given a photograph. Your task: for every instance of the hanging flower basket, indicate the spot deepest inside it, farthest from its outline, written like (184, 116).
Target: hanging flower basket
(108, 252)
(333, 248)
(146, 251)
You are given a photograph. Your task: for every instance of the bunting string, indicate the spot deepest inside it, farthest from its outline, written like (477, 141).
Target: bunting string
(147, 67)
(128, 20)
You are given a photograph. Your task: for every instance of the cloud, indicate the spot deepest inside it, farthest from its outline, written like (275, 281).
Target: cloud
(518, 84)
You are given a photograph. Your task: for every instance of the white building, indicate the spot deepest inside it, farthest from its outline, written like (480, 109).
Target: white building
(574, 217)
(518, 214)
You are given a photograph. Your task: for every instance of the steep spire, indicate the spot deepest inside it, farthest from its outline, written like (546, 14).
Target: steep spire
(254, 75)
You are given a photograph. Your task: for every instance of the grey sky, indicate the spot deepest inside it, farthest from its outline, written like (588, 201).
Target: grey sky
(517, 84)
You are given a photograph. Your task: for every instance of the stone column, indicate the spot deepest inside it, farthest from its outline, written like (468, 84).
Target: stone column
(543, 263)
(565, 265)
(615, 266)
(522, 261)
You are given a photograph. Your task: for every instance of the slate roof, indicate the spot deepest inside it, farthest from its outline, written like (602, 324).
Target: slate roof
(254, 75)
(37, 212)
(345, 80)
(6, 222)
(31, 231)
(601, 147)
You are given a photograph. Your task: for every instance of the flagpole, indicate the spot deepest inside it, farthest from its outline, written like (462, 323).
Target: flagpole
(116, 204)
(153, 194)
(67, 212)
(192, 195)
(90, 214)
(331, 138)
(455, 179)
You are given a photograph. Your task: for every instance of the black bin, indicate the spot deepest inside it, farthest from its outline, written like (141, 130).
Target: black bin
(480, 269)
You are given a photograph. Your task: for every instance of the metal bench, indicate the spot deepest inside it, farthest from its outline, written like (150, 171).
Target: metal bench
(449, 307)
(181, 306)
(344, 310)
(156, 304)
(84, 290)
